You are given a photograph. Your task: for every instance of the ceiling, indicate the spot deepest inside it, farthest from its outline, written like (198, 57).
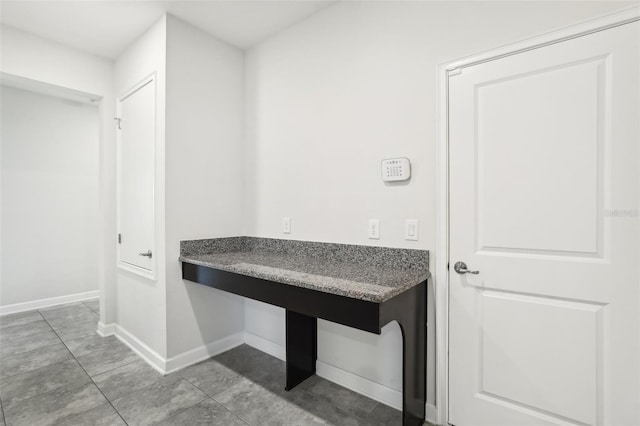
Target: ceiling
(106, 28)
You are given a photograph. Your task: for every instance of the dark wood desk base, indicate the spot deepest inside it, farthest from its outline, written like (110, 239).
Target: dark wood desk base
(303, 307)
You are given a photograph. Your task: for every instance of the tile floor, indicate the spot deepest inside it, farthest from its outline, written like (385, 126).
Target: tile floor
(55, 370)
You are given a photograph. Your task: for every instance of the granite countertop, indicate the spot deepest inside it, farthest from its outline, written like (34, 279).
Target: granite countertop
(374, 274)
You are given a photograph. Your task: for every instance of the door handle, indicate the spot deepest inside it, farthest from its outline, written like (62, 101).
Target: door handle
(147, 254)
(461, 268)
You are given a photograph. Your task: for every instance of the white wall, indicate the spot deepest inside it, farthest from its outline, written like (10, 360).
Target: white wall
(31, 57)
(204, 177)
(332, 96)
(141, 302)
(49, 152)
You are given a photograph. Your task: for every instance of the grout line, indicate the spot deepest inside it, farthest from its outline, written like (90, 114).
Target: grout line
(135, 390)
(195, 386)
(22, 325)
(92, 310)
(234, 414)
(28, 323)
(111, 369)
(4, 419)
(31, 350)
(213, 397)
(39, 368)
(90, 378)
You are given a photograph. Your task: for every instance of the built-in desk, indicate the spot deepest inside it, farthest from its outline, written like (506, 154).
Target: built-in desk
(358, 286)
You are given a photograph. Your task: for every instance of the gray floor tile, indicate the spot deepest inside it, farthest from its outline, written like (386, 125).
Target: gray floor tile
(2, 423)
(211, 377)
(62, 322)
(257, 366)
(16, 332)
(124, 380)
(249, 361)
(63, 311)
(292, 415)
(385, 415)
(93, 343)
(344, 398)
(310, 382)
(22, 386)
(32, 360)
(321, 408)
(104, 415)
(116, 355)
(251, 402)
(94, 305)
(78, 330)
(49, 408)
(41, 385)
(28, 343)
(158, 401)
(19, 319)
(208, 412)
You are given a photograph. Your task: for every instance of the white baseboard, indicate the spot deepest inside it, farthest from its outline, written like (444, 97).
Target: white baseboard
(45, 303)
(203, 352)
(351, 381)
(369, 388)
(431, 414)
(105, 330)
(373, 390)
(178, 362)
(266, 346)
(151, 357)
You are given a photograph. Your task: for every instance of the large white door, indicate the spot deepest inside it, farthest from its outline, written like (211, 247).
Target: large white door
(136, 177)
(544, 189)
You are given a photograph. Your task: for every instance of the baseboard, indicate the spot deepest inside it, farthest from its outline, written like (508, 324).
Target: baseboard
(105, 330)
(351, 381)
(369, 388)
(431, 414)
(203, 352)
(373, 390)
(264, 345)
(151, 357)
(178, 362)
(45, 303)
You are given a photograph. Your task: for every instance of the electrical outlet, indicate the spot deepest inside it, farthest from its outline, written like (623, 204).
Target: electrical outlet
(286, 225)
(374, 229)
(411, 230)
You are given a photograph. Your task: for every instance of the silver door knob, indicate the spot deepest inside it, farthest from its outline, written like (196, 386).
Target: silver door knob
(147, 254)
(461, 268)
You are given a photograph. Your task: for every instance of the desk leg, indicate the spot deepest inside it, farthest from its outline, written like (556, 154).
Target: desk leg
(413, 320)
(302, 348)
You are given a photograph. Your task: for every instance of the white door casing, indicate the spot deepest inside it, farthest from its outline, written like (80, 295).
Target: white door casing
(136, 142)
(544, 188)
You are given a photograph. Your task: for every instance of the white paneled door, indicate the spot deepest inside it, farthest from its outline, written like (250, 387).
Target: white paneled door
(544, 189)
(136, 177)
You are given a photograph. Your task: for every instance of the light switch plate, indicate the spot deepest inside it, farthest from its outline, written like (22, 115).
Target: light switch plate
(286, 225)
(411, 230)
(374, 229)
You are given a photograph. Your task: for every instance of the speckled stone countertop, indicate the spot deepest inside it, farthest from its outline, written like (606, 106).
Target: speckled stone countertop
(374, 274)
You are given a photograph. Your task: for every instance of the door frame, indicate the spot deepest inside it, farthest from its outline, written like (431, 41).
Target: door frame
(441, 255)
(120, 264)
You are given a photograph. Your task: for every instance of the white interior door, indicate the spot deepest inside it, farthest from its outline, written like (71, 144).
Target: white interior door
(544, 189)
(136, 212)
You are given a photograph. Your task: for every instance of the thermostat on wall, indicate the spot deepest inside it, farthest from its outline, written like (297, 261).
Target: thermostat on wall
(395, 169)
